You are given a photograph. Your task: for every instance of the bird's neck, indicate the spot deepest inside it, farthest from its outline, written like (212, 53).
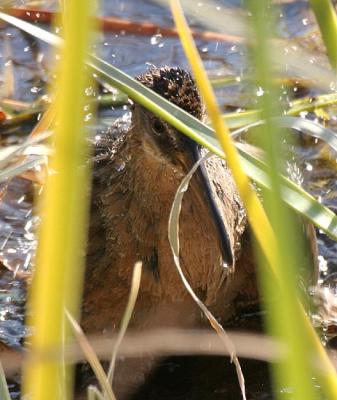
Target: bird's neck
(133, 191)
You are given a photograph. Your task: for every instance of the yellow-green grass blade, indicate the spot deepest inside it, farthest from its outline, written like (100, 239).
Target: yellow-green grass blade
(295, 371)
(236, 120)
(184, 122)
(311, 103)
(64, 207)
(302, 201)
(327, 21)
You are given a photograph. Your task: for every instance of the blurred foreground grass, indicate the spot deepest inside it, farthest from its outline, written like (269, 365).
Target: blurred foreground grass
(58, 277)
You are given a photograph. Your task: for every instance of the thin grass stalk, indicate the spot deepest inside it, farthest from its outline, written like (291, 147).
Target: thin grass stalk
(92, 359)
(310, 104)
(327, 20)
(94, 394)
(135, 284)
(64, 206)
(282, 318)
(46, 122)
(235, 120)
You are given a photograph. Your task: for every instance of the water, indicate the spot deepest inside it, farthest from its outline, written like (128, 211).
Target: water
(178, 378)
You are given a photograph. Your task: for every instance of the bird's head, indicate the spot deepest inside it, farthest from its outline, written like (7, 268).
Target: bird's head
(167, 145)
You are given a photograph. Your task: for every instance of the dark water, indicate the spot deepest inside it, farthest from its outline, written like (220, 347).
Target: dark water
(177, 378)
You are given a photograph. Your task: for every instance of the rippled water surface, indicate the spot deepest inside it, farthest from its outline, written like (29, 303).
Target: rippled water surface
(32, 61)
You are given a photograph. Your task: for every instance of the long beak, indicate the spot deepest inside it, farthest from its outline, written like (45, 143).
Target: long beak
(210, 195)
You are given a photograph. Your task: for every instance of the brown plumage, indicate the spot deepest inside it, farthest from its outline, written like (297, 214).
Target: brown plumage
(134, 186)
(136, 175)
(177, 86)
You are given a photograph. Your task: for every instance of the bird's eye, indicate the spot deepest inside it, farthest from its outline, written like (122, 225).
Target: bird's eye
(158, 126)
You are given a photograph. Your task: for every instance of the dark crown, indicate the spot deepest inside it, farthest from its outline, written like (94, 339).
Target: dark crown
(177, 86)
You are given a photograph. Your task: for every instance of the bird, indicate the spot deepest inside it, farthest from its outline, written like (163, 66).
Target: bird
(136, 173)
(135, 178)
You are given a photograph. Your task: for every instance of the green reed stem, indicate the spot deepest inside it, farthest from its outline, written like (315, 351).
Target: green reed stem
(327, 20)
(284, 317)
(58, 276)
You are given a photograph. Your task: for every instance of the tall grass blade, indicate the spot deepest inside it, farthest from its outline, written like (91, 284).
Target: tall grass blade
(327, 20)
(302, 201)
(286, 317)
(64, 207)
